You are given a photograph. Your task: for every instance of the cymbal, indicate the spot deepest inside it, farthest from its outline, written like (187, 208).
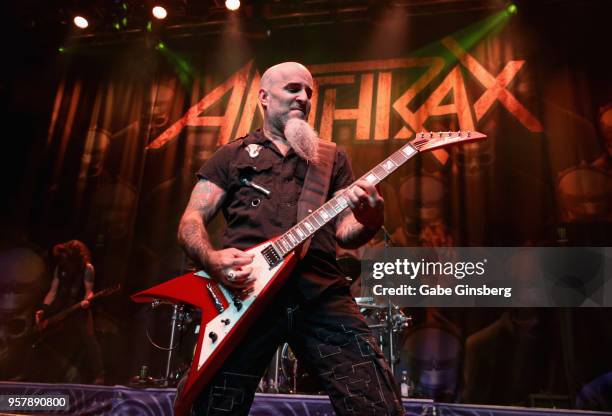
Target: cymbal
(368, 303)
(371, 306)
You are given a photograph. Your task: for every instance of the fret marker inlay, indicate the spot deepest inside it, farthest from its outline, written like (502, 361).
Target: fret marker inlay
(409, 150)
(389, 165)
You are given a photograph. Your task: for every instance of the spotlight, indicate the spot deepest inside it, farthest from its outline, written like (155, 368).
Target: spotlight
(232, 4)
(511, 9)
(159, 12)
(80, 22)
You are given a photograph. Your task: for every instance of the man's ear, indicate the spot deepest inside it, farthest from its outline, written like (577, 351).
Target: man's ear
(263, 98)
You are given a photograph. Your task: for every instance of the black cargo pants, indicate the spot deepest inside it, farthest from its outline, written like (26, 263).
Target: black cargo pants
(330, 339)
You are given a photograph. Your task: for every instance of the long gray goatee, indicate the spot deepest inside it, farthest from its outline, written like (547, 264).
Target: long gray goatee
(303, 139)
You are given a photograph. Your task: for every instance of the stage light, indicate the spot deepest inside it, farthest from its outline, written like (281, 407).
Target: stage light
(80, 22)
(160, 46)
(511, 8)
(232, 4)
(159, 12)
(61, 49)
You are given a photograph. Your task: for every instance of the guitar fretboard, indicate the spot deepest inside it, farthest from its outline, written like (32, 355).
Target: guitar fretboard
(328, 211)
(317, 219)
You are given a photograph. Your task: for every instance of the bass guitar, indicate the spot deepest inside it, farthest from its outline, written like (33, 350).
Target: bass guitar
(45, 327)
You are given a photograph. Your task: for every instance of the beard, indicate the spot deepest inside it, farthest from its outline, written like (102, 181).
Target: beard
(303, 139)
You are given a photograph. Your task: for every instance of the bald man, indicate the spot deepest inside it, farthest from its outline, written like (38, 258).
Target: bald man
(314, 311)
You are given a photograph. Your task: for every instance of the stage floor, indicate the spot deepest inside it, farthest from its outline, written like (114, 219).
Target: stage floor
(126, 401)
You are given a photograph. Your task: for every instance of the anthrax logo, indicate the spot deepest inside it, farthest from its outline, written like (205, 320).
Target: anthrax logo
(372, 114)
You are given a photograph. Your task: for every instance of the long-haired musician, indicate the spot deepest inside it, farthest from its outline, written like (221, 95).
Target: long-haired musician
(73, 283)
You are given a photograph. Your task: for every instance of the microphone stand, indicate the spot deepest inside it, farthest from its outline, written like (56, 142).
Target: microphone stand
(388, 241)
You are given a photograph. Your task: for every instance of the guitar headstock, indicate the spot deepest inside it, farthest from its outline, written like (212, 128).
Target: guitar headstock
(436, 140)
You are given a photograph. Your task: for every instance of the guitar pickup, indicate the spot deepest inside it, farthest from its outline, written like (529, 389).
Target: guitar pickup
(272, 256)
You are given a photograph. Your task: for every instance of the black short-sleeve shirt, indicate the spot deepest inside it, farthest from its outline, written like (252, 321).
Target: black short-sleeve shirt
(253, 217)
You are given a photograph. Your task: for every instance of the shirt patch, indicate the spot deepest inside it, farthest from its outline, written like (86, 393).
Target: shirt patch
(253, 150)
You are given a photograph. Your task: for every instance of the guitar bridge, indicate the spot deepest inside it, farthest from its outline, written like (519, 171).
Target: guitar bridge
(216, 299)
(272, 256)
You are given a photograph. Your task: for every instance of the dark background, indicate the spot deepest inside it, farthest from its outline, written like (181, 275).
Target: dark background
(521, 187)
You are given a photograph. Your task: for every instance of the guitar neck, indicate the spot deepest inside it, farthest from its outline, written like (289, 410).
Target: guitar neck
(328, 211)
(290, 240)
(63, 314)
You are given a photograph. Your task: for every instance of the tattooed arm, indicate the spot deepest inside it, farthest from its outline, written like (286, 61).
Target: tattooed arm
(88, 283)
(356, 227)
(206, 199)
(88, 280)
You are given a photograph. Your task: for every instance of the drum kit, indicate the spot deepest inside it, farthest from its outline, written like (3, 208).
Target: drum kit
(387, 322)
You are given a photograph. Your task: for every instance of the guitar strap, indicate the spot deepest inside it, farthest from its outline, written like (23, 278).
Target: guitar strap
(316, 185)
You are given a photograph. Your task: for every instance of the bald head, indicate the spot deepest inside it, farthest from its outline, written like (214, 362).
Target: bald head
(282, 71)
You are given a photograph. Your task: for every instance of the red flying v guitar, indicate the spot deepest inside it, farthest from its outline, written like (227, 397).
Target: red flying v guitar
(225, 318)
